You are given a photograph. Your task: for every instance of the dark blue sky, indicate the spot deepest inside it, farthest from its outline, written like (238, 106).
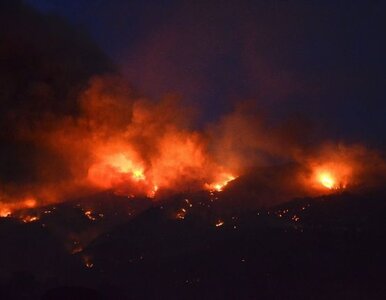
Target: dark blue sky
(319, 59)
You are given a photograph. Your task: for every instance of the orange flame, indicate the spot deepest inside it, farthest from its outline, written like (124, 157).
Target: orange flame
(335, 168)
(221, 184)
(327, 180)
(5, 212)
(136, 147)
(333, 175)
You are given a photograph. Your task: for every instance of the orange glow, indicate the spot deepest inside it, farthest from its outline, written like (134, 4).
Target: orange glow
(124, 165)
(4, 212)
(181, 158)
(152, 193)
(111, 169)
(338, 167)
(327, 180)
(179, 161)
(30, 202)
(129, 145)
(221, 184)
(6, 209)
(29, 219)
(332, 175)
(121, 142)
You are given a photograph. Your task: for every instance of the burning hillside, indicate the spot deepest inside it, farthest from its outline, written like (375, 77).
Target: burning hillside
(136, 147)
(81, 128)
(136, 196)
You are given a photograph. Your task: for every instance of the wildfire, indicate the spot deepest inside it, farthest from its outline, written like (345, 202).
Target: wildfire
(131, 146)
(136, 148)
(30, 202)
(179, 160)
(327, 180)
(6, 209)
(152, 193)
(221, 184)
(113, 168)
(4, 212)
(333, 176)
(29, 219)
(337, 167)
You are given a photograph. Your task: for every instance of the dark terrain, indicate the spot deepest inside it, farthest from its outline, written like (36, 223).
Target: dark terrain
(308, 248)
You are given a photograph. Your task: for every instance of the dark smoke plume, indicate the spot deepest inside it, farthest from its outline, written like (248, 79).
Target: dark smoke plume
(44, 65)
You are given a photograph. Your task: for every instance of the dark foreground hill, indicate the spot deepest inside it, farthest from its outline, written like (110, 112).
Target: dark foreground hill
(187, 248)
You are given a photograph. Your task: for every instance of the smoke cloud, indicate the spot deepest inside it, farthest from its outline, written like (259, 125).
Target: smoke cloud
(72, 125)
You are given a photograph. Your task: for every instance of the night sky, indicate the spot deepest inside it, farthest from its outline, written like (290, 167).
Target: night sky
(318, 60)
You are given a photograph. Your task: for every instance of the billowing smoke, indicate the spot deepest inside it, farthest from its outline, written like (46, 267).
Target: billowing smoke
(44, 65)
(73, 126)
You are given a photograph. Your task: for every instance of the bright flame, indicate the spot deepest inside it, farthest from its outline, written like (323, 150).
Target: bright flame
(111, 169)
(327, 180)
(4, 212)
(337, 167)
(128, 145)
(122, 164)
(121, 142)
(179, 160)
(332, 176)
(6, 209)
(219, 185)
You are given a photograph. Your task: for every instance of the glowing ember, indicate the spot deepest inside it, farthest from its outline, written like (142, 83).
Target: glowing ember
(188, 202)
(89, 215)
(336, 167)
(88, 262)
(29, 219)
(181, 214)
(219, 223)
